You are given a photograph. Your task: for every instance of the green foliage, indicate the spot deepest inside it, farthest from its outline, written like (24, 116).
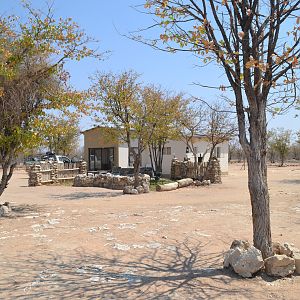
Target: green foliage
(279, 140)
(32, 75)
(33, 80)
(59, 134)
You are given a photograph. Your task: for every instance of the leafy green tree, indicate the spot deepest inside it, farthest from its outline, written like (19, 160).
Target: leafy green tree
(167, 109)
(113, 96)
(280, 140)
(256, 43)
(59, 134)
(33, 80)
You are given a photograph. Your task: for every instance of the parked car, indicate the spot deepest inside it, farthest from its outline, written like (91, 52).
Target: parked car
(30, 160)
(58, 158)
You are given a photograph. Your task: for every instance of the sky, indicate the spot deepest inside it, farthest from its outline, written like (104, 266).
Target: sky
(108, 22)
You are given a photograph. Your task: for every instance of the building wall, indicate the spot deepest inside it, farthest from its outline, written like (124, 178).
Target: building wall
(123, 156)
(95, 138)
(178, 150)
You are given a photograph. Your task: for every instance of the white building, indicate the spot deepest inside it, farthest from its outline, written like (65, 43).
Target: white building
(102, 153)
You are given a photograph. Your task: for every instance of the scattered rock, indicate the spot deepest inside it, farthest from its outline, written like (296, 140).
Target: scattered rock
(130, 190)
(285, 249)
(134, 192)
(279, 265)
(245, 260)
(122, 247)
(202, 183)
(5, 209)
(291, 249)
(146, 188)
(140, 189)
(240, 244)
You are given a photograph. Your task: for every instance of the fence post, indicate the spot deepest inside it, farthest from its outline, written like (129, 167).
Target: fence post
(82, 167)
(54, 173)
(35, 176)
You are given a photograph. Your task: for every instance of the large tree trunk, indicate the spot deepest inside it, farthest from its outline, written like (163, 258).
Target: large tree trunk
(136, 168)
(256, 155)
(259, 195)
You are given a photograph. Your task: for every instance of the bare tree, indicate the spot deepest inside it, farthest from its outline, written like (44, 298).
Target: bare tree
(191, 125)
(220, 127)
(257, 45)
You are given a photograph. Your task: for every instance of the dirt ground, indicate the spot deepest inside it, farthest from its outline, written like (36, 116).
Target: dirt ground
(69, 243)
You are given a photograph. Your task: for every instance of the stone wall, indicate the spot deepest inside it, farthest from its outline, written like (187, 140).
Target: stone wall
(52, 172)
(185, 169)
(109, 181)
(214, 171)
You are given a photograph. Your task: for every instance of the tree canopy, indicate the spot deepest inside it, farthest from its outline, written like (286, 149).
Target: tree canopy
(33, 79)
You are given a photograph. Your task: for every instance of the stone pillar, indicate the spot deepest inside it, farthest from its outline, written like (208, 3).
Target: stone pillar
(35, 176)
(82, 167)
(214, 171)
(54, 174)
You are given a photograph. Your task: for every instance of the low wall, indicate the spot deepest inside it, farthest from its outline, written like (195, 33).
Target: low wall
(52, 172)
(109, 181)
(185, 169)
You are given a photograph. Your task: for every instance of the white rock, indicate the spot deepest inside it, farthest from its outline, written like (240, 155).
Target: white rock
(243, 258)
(140, 189)
(249, 262)
(4, 210)
(279, 265)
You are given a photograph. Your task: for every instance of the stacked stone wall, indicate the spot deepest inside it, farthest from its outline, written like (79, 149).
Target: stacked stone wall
(52, 172)
(109, 181)
(186, 169)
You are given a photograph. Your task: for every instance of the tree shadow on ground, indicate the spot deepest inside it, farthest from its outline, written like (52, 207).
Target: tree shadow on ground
(184, 273)
(290, 181)
(84, 196)
(25, 210)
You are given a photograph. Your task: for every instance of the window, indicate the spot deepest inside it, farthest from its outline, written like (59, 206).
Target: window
(167, 151)
(101, 158)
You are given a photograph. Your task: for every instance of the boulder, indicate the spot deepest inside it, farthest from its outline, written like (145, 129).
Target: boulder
(134, 192)
(127, 189)
(202, 183)
(167, 187)
(279, 265)
(291, 249)
(245, 260)
(242, 244)
(140, 189)
(285, 249)
(185, 182)
(297, 262)
(5, 209)
(146, 187)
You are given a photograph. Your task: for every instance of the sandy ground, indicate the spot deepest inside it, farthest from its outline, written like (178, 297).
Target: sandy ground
(70, 243)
